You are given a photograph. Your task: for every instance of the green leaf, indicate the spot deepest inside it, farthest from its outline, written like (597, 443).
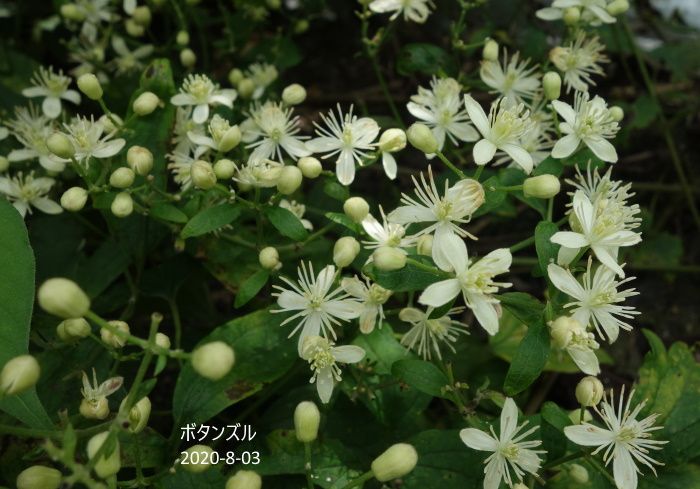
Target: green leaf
(343, 220)
(335, 190)
(546, 250)
(286, 223)
(263, 354)
(523, 306)
(181, 479)
(554, 420)
(251, 287)
(530, 358)
(104, 266)
(210, 220)
(16, 302)
(424, 58)
(381, 348)
(422, 375)
(168, 212)
(407, 279)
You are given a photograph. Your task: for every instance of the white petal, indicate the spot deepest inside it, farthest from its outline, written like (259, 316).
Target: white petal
(182, 99)
(585, 359)
(483, 151)
(565, 146)
(519, 155)
(292, 301)
(624, 469)
(46, 205)
(71, 96)
(478, 440)
(566, 111)
(602, 148)
(603, 254)
(35, 92)
(345, 167)
(110, 148)
(570, 239)
(348, 353)
(564, 281)
(449, 251)
(588, 435)
(323, 144)
(200, 114)
(509, 419)
(566, 255)
(51, 106)
(343, 309)
(408, 214)
(440, 293)
(484, 311)
(477, 115)
(389, 164)
(324, 384)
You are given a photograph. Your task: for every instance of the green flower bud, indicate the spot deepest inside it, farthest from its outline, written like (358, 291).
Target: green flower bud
(72, 329)
(140, 160)
(138, 415)
(345, 251)
(551, 82)
(203, 175)
(109, 463)
(578, 473)
(224, 169)
(199, 459)
(269, 258)
(122, 177)
(230, 139)
(19, 374)
(142, 15)
(107, 123)
(356, 208)
(289, 180)
(235, 76)
(70, 11)
(213, 360)
(293, 94)
(397, 461)
(310, 167)
(244, 479)
(182, 38)
(59, 144)
(74, 199)
(63, 298)
(424, 245)
(133, 28)
(4, 164)
(389, 259)
(562, 331)
(90, 86)
(145, 103)
(589, 391)
(392, 140)
(421, 137)
(490, 51)
(39, 477)
(306, 421)
(541, 186)
(572, 15)
(301, 26)
(618, 7)
(245, 87)
(616, 113)
(162, 340)
(188, 58)
(112, 339)
(122, 205)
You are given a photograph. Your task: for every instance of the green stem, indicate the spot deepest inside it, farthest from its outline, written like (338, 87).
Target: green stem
(177, 322)
(450, 165)
(563, 460)
(52, 434)
(601, 469)
(478, 172)
(307, 465)
(359, 480)
(156, 319)
(428, 268)
(108, 113)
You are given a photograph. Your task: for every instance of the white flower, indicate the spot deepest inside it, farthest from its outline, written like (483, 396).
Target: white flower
(511, 453)
(220, 130)
(298, 210)
(31, 130)
(277, 130)
(53, 87)
(596, 299)
(94, 12)
(89, 140)
(502, 129)
(593, 12)
(441, 109)
(625, 440)
(593, 228)
(444, 213)
(25, 192)
(372, 297)
(580, 344)
(347, 136)
(262, 74)
(414, 10)
(127, 60)
(323, 357)
(512, 79)
(317, 307)
(97, 392)
(259, 173)
(473, 280)
(89, 58)
(427, 334)
(181, 165)
(386, 233)
(184, 125)
(579, 61)
(588, 121)
(199, 91)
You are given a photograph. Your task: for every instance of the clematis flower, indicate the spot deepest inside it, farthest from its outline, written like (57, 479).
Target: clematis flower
(323, 357)
(427, 334)
(372, 297)
(53, 87)
(513, 79)
(128, 61)
(579, 61)
(386, 233)
(276, 129)
(25, 192)
(223, 137)
(413, 10)
(32, 129)
(89, 140)
(199, 91)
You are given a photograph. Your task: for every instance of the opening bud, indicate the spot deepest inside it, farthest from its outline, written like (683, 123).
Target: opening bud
(551, 82)
(140, 160)
(392, 140)
(562, 331)
(39, 477)
(139, 414)
(213, 360)
(59, 144)
(421, 137)
(244, 479)
(310, 167)
(388, 259)
(269, 258)
(122, 205)
(115, 340)
(289, 180)
(90, 86)
(63, 298)
(74, 199)
(182, 38)
(293, 94)
(306, 421)
(203, 175)
(107, 122)
(541, 186)
(356, 208)
(73, 329)
(230, 139)
(616, 113)
(397, 461)
(109, 462)
(19, 374)
(122, 177)
(490, 51)
(224, 169)
(199, 459)
(424, 246)
(145, 103)
(589, 391)
(345, 251)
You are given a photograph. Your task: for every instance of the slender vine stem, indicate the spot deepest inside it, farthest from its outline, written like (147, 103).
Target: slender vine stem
(450, 165)
(359, 480)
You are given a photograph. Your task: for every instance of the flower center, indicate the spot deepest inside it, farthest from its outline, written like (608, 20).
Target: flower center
(510, 451)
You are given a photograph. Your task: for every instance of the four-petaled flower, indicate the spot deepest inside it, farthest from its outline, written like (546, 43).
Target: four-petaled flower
(323, 357)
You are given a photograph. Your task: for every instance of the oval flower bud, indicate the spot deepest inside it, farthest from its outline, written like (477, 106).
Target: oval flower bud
(269, 258)
(578, 473)
(133, 28)
(145, 103)
(74, 199)
(235, 76)
(616, 113)
(246, 87)
(19, 374)
(572, 15)
(397, 461)
(618, 7)
(90, 86)
(142, 15)
(293, 94)
(310, 167)
(589, 391)
(108, 464)
(72, 329)
(213, 360)
(203, 175)
(345, 251)
(70, 11)
(182, 38)
(307, 419)
(122, 177)
(356, 208)
(138, 415)
(551, 83)
(140, 160)
(63, 298)
(392, 140)
(424, 245)
(162, 340)
(289, 180)
(122, 205)
(541, 186)
(59, 144)
(230, 139)
(224, 169)
(188, 58)
(39, 477)
(388, 259)
(562, 331)
(490, 51)
(422, 138)
(112, 339)
(199, 459)
(244, 479)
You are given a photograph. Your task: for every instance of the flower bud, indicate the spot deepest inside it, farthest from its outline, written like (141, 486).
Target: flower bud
(4, 164)
(269, 258)
(59, 144)
(109, 463)
(133, 28)
(356, 208)
(138, 415)
(122, 177)
(616, 113)
(397, 461)
(203, 175)
(490, 51)
(90, 86)
(70, 11)
(301, 26)
(63, 298)
(199, 459)
(162, 340)
(578, 474)
(618, 7)
(246, 87)
(94, 408)
(188, 58)
(72, 329)
(112, 339)
(541, 186)
(424, 245)
(551, 82)
(182, 38)
(213, 360)
(122, 205)
(74, 199)
(107, 123)
(306, 421)
(310, 167)
(345, 251)
(392, 140)
(389, 259)
(39, 477)
(142, 15)
(230, 139)
(422, 138)
(289, 180)
(562, 331)
(589, 391)
(235, 76)
(145, 103)
(572, 15)
(140, 160)
(244, 479)
(19, 374)
(293, 94)
(224, 169)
